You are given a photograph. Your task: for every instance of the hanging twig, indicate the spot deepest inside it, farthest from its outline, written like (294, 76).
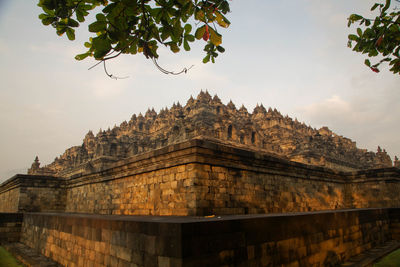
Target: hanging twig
(110, 75)
(184, 70)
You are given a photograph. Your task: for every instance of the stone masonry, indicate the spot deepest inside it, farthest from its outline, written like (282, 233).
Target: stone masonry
(294, 239)
(263, 130)
(203, 177)
(206, 184)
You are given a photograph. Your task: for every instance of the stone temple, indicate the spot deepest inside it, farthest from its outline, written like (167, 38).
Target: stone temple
(205, 184)
(262, 130)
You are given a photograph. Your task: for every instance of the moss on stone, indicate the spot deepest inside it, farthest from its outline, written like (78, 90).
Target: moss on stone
(391, 260)
(7, 260)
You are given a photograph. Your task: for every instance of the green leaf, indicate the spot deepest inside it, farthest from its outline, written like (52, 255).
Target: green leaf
(220, 49)
(174, 47)
(49, 20)
(359, 32)
(200, 32)
(82, 56)
(49, 4)
(375, 6)
(100, 17)
(61, 29)
(190, 38)
(373, 53)
(367, 62)
(133, 49)
(353, 37)
(188, 28)
(109, 8)
(355, 17)
(387, 5)
(79, 15)
(394, 28)
(165, 33)
(221, 20)
(215, 37)
(43, 16)
(186, 45)
(199, 15)
(98, 26)
(101, 46)
(72, 23)
(71, 34)
(206, 59)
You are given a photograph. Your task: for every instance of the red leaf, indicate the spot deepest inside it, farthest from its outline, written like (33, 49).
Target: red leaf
(206, 34)
(379, 41)
(374, 69)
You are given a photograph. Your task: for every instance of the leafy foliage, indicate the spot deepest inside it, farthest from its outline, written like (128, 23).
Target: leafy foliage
(379, 36)
(140, 26)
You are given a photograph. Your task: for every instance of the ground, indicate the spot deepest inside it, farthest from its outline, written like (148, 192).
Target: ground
(7, 260)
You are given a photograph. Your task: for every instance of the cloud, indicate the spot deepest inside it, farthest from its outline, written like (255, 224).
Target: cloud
(369, 116)
(60, 49)
(4, 49)
(330, 110)
(104, 89)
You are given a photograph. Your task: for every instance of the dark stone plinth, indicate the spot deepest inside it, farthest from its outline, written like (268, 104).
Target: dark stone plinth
(302, 239)
(10, 227)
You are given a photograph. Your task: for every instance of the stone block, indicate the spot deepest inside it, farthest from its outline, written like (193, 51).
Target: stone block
(164, 261)
(124, 254)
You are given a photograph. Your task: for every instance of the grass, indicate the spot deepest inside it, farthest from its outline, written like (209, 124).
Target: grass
(7, 260)
(391, 260)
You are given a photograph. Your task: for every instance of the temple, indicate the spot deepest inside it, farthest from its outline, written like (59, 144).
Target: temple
(262, 130)
(206, 184)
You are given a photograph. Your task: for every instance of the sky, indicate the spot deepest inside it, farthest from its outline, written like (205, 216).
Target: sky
(289, 55)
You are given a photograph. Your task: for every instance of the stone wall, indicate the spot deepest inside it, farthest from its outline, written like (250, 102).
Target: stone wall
(204, 177)
(394, 215)
(10, 227)
(32, 193)
(293, 239)
(9, 198)
(154, 183)
(375, 188)
(94, 240)
(200, 177)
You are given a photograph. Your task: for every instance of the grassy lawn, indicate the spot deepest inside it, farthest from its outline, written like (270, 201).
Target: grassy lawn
(391, 260)
(7, 260)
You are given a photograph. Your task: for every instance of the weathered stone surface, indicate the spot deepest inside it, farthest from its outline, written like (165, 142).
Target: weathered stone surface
(294, 239)
(203, 177)
(32, 193)
(210, 159)
(262, 130)
(10, 227)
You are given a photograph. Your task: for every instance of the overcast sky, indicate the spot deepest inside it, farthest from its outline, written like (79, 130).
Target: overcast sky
(289, 55)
